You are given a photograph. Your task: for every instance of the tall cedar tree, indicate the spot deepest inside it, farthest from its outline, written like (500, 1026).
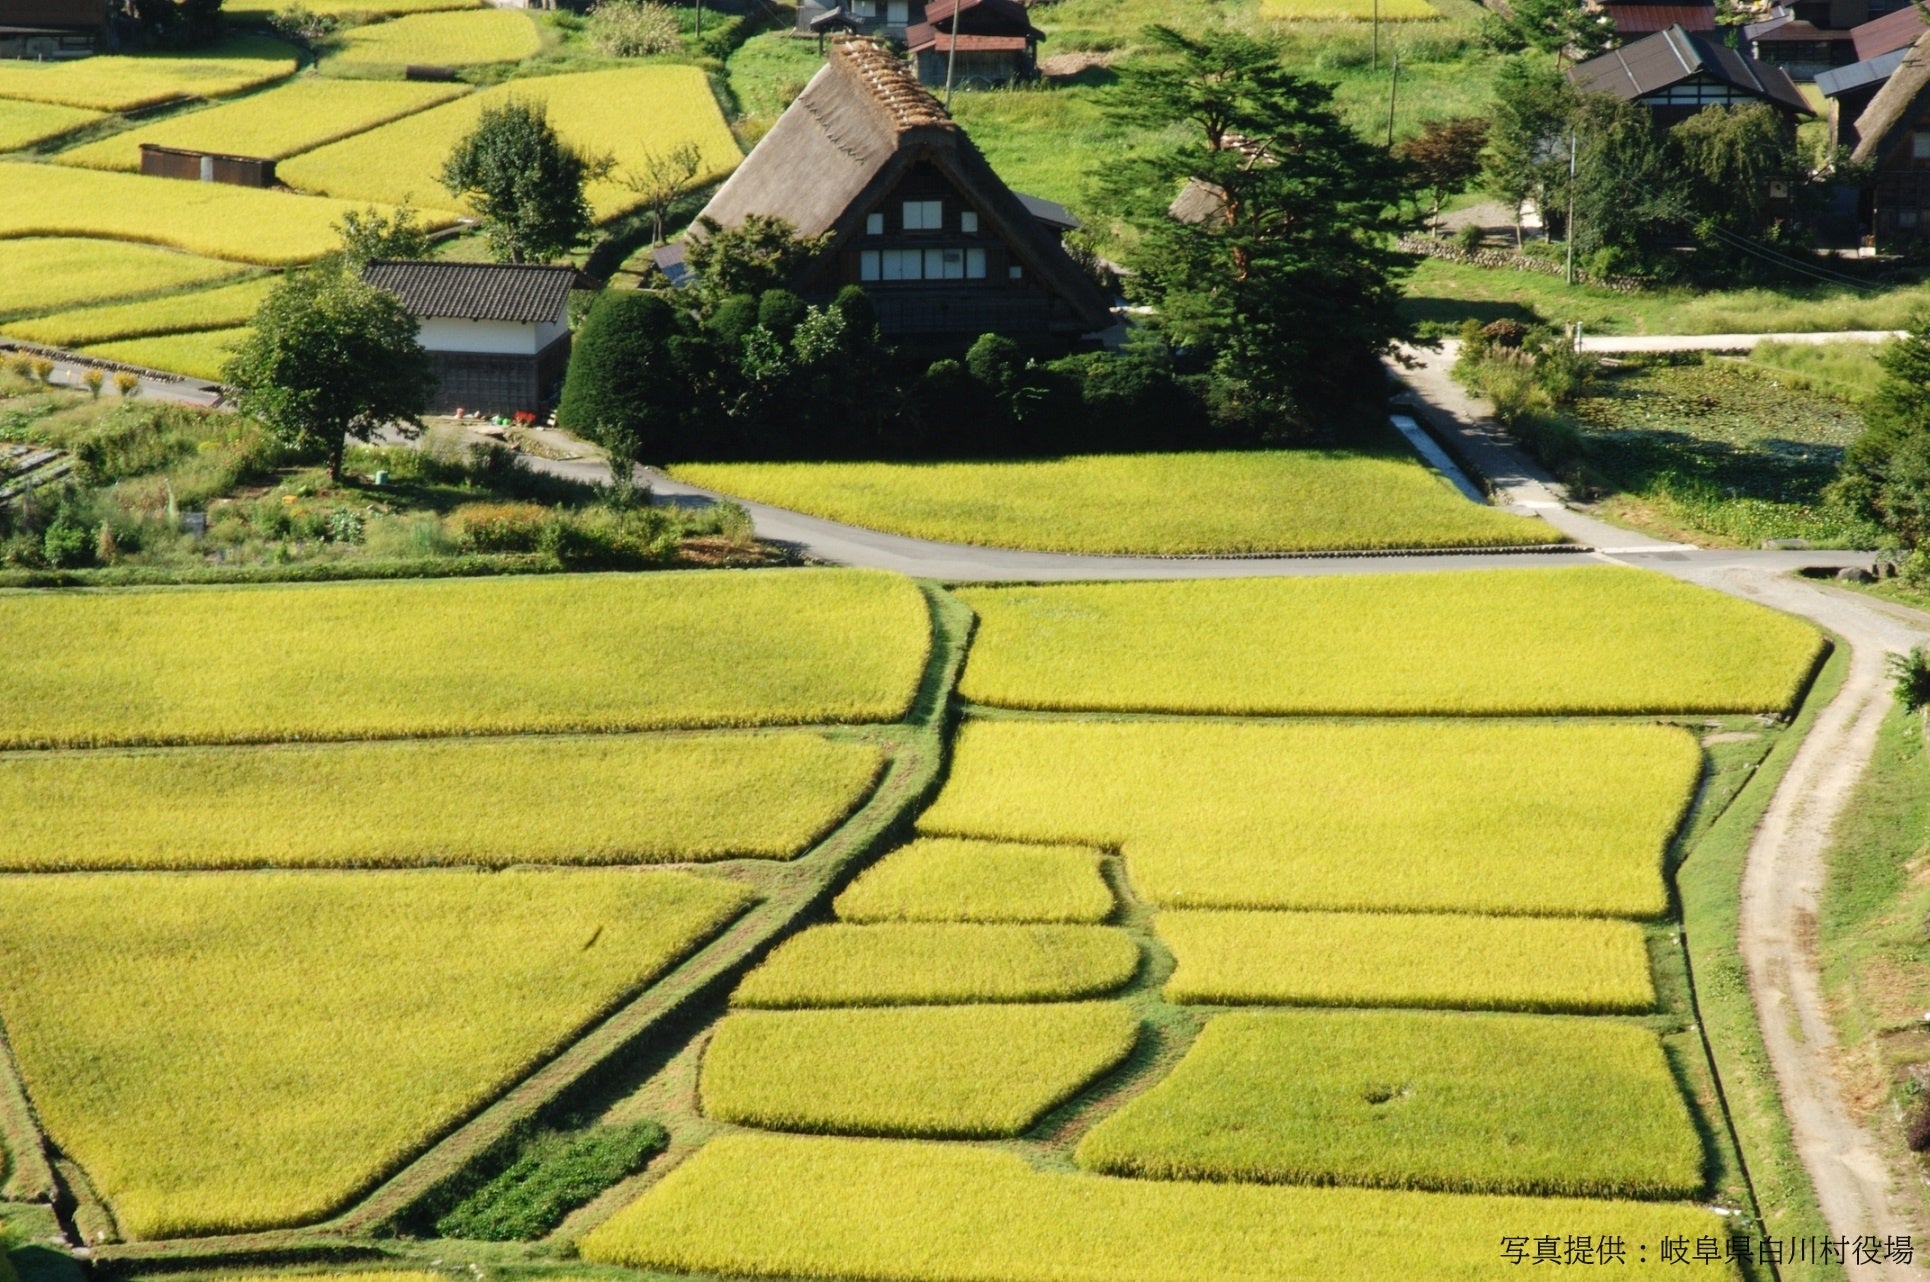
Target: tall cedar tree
(1444, 157)
(525, 181)
(1290, 285)
(331, 358)
(1558, 27)
(1886, 472)
(1527, 158)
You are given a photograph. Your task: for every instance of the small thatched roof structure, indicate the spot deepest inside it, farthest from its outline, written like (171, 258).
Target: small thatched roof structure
(858, 128)
(1894, 107)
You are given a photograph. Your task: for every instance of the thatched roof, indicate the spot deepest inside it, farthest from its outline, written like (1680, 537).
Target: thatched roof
(1673, 55)
(858, 127)
(1894, 106)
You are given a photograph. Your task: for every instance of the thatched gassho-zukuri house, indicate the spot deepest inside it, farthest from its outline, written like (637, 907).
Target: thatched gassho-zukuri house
(916, 215)
(1893, 137)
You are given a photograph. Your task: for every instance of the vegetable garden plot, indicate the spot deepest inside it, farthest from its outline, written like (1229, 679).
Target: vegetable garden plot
(432, 657)
(1497, 817)
(938, 1071)
(916, 965)
(232, 1051)
(595, 800)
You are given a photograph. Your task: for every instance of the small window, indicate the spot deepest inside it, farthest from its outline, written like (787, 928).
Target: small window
(924, 215)
(868, 264)
(902, 264)
(974, 264)
(897, 12)
(1920, 145)
(1906, 218)
(874, 224)
(968, 221)
(1015, 272)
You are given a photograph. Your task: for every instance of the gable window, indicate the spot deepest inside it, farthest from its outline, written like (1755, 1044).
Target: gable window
(924, 215)
(897, 12)
(968, 220)
(874, 224)
(1920, 144)
(921, 264)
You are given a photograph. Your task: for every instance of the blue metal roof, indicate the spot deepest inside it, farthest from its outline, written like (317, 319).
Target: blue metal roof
(1859, 75)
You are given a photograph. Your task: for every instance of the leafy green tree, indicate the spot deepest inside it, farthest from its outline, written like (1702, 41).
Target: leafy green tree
(525, 181)
(661, 178)
(762, 253)
(1527, 156)
(331, 358)
(1629, 187)
(1557, 27)
(368, 234)
(1885, 475)
(1444, 157)
(1729, 156)
(1284, 275)
(626, 388)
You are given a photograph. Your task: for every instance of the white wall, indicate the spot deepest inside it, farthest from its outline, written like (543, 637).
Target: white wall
(442, 335)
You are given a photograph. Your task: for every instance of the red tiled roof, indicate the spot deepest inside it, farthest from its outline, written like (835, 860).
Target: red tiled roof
(1892, 31)
(1641, 19)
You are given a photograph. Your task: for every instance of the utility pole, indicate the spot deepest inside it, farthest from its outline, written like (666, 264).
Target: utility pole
(1568, 273)
(1393, 90)
(1376, 35)
(951, 58)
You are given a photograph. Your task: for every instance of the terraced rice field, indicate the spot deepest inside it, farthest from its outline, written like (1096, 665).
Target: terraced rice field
(298, 116)
(603, 652)
(595, 800)
(1146, 504)
(1588, 641)
(40, 275)
(939, 1071)
(124, 82)
(1573, 818)
(220, 307)
(215, 220)
(23, 124)
(201, 354)
(1395, 1099)
(921, 965)
(768, 1206)
(465, 39)
(627, 113)
(939, 879)
(327, 1044)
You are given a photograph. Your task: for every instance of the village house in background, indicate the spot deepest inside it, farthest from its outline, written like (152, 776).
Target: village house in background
(997, 43)
(1633, 19)
(52, 28)
(1893, 138)
(498, 333)
(945, 250)
(1676, 73)
(888, 18)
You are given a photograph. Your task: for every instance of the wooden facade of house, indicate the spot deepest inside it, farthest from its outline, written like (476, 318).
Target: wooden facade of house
(1676, 73)
(43, 29)
(1893, 138)
(206, 166)
(916, 216)
(497, 333)
(996, 43)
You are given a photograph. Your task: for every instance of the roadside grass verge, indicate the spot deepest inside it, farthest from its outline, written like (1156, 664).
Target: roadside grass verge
(230, 1052)
(222, 307)
(552, 1176)
(40, 275)
(769, 1206)
(1572, 818)
(1145, 504)
(931, 1071)
(456, 39)
(627, 112)
(23, 124)
(1348, 10)
(275, 123)
(485, 656)
(942, 879)
(123, 82)
(921, 965)
(608, 799)
(216, 220)
(200, 354)
(1591, 640)
(1395, 1099)
(1402, 959)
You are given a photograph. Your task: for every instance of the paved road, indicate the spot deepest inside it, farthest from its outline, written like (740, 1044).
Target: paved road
(173, 391)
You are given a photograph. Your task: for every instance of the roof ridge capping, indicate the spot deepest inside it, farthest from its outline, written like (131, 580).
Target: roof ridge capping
(887, 81)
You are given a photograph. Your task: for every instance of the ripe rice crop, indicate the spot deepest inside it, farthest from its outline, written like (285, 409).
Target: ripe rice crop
(791, 1206)
(1160, 504)
(23, 124)
(466, 39)
(200, 354)
(1404, 1099)
(1403, 959)
(46, 275)
(935, 1071)
(223, 307)
(429, 657)
(1595, 639)
(276, 123)
(262, 10)
(1500, 817)
(920, 965)
(598, 800)
(1345, 10)
(244, 224)
(233, 1051)
(626, 113)
(936, 879)
(124, 82)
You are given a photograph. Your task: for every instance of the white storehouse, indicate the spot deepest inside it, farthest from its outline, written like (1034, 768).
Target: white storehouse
(499, 333)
